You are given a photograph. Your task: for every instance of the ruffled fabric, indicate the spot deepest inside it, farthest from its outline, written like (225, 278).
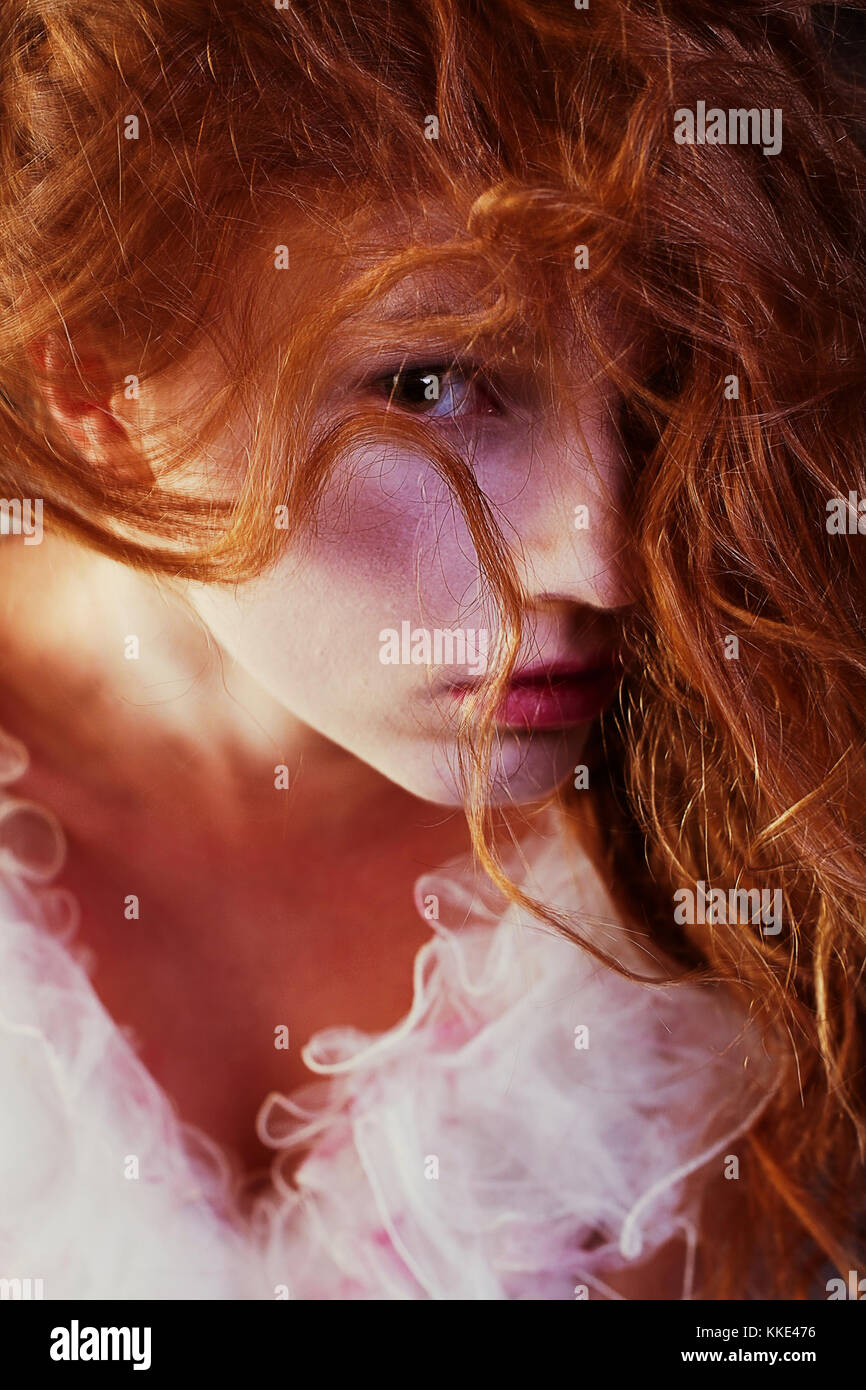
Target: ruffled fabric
(534, 1125)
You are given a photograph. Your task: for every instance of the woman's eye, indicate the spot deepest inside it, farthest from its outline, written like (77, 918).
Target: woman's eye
(440, 393)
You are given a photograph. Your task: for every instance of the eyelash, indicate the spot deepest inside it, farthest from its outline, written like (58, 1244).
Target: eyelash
(434, 382)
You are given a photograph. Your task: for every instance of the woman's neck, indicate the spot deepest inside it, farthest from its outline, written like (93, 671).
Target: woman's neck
(221, 896)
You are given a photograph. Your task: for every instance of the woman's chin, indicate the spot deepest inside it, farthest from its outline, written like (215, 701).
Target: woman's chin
(530, 766)
(525, 768)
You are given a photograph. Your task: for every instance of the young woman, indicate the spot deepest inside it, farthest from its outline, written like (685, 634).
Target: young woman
(432, 674)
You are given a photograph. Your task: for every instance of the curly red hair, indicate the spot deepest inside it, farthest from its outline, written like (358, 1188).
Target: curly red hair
(148, 150)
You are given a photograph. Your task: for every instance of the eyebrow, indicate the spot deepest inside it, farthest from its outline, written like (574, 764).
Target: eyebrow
(434, 290)
(400, 306)
(445, 313)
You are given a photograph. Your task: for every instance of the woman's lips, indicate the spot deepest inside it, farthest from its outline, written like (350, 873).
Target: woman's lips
(554, 697)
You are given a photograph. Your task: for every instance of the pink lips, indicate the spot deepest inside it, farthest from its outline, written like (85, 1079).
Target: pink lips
(556, 696)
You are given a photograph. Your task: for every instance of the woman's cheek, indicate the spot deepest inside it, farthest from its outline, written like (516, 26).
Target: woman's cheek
(399, 546)
(392, 547)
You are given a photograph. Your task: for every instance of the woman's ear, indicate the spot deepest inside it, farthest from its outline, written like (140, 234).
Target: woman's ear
(77, 390)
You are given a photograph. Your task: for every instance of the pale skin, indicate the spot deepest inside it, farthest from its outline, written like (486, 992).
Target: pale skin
(263, 906)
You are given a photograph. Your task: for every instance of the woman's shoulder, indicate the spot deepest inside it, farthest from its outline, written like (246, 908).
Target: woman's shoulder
(105, 1194)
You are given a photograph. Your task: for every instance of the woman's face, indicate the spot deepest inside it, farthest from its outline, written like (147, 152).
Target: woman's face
(371, 630)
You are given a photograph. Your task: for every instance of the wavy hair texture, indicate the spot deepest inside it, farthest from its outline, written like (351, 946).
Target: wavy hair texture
(556, 130)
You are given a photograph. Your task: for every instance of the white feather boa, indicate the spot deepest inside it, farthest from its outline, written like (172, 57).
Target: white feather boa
(485, 1148)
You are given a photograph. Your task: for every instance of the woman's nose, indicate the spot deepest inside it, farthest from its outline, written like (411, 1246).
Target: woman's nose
(573, 529)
